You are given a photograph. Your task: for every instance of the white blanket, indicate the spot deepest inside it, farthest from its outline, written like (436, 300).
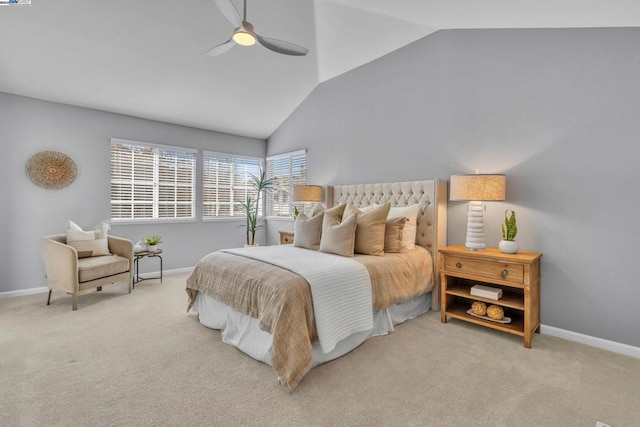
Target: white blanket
(340, 288)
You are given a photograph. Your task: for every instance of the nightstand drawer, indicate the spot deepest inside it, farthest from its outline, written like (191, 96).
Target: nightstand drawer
(490, 269)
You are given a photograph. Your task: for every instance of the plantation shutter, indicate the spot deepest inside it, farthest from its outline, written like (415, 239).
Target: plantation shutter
(287, 170)
(227, 184)
(150, 182)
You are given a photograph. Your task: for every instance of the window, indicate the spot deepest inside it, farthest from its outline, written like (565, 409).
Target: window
(288, 170)
(226, 184)
(151, 182)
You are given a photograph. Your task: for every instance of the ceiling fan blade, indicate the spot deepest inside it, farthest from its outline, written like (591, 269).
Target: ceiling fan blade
(230, 12)
(282, 46)
(221, 48)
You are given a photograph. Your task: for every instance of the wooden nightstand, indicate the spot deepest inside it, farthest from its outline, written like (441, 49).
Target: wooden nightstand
(518, 275)
(286, 237)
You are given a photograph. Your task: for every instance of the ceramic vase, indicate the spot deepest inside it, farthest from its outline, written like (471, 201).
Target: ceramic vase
(508, 246)
(141, 246)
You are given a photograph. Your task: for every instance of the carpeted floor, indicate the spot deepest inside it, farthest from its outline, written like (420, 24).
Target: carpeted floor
(141, 360)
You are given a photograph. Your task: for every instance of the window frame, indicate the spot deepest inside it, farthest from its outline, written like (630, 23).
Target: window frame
(156, 200)
(269, 198)
(234, 157)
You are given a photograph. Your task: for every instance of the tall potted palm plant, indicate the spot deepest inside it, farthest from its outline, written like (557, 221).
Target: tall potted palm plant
(251, 206)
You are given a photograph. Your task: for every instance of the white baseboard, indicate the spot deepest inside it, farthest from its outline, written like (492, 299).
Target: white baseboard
(23, 292)
(156, 274)
(616, 347)
(44, 289)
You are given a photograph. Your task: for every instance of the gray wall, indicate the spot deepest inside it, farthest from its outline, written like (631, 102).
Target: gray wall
(556, 110)
(28, 126)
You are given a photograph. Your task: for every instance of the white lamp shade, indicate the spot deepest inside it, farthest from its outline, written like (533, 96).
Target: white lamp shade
(479, 187)
(307, 193)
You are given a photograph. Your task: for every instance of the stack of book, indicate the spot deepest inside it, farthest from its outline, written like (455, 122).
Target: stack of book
(486, 292)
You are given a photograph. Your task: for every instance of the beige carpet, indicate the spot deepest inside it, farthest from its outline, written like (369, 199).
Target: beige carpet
(140, 359)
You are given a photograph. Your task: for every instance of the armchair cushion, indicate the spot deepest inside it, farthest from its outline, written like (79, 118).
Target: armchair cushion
(88, 243)
(101, 266)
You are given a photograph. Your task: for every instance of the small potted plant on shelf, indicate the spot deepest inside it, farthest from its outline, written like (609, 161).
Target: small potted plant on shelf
(508, 244)
(152, 242)
(251, 206)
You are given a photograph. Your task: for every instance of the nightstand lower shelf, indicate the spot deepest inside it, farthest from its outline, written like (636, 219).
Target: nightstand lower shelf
(459, 311)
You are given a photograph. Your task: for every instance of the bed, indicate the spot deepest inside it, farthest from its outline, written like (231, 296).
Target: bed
(294, 308)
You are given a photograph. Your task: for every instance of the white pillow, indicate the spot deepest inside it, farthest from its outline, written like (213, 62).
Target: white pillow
(88, 243)
(410, 227)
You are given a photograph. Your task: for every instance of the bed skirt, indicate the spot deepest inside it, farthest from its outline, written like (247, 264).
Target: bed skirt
(243, 331)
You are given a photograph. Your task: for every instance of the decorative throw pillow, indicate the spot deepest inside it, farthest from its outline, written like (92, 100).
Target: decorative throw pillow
(336, 211)
(370, 228)
(393, 234)
(315, 209)
(338, 237)
(411, 226)
(89, 243)
(307, 231)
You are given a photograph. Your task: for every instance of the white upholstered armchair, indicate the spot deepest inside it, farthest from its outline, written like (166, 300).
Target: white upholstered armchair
(66, 272)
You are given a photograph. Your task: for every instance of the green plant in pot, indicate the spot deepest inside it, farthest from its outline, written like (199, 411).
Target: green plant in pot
(251, 206)
(508, 244)
(152, 242)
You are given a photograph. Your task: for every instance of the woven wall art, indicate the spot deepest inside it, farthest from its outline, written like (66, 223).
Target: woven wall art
(51, 170)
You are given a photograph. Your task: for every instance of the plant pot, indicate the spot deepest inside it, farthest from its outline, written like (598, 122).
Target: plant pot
(508, 246)
(152, 248)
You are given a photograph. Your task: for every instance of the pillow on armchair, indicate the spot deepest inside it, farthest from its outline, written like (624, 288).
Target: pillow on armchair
(89, 243)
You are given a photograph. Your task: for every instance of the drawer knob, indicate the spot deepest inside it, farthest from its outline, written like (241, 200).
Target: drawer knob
(504, 272)
(458, 265)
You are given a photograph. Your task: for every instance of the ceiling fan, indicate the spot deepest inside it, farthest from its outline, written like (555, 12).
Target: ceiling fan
(244, 34)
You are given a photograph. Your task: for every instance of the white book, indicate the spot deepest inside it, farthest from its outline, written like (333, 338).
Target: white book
(486, 292)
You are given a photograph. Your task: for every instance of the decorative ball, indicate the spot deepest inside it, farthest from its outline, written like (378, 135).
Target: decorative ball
(495, 312)
(479, 308)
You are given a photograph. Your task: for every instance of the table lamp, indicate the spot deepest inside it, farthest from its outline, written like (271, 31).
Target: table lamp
(307, 193)
(476, 189)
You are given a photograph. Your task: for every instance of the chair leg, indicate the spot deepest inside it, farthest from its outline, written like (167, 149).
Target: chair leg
(74, 302)
(99, 288)
(131, 284)
(49, 299)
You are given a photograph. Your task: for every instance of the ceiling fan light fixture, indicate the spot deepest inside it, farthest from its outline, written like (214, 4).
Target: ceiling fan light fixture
(244, 34)
(244, 38)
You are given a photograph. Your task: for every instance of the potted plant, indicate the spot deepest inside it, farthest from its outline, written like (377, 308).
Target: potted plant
(508, 244)
(152, 242)
(251, 205)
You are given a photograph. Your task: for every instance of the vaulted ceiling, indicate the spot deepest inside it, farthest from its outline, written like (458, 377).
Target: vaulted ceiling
(145, 57)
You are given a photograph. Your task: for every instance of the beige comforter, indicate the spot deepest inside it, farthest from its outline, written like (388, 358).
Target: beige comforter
(281, 299)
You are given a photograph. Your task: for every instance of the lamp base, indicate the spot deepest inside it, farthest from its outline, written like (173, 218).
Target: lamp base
(475, 249)
(475, 227)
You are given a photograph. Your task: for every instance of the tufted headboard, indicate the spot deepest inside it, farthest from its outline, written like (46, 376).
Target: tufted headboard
(432, 218)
